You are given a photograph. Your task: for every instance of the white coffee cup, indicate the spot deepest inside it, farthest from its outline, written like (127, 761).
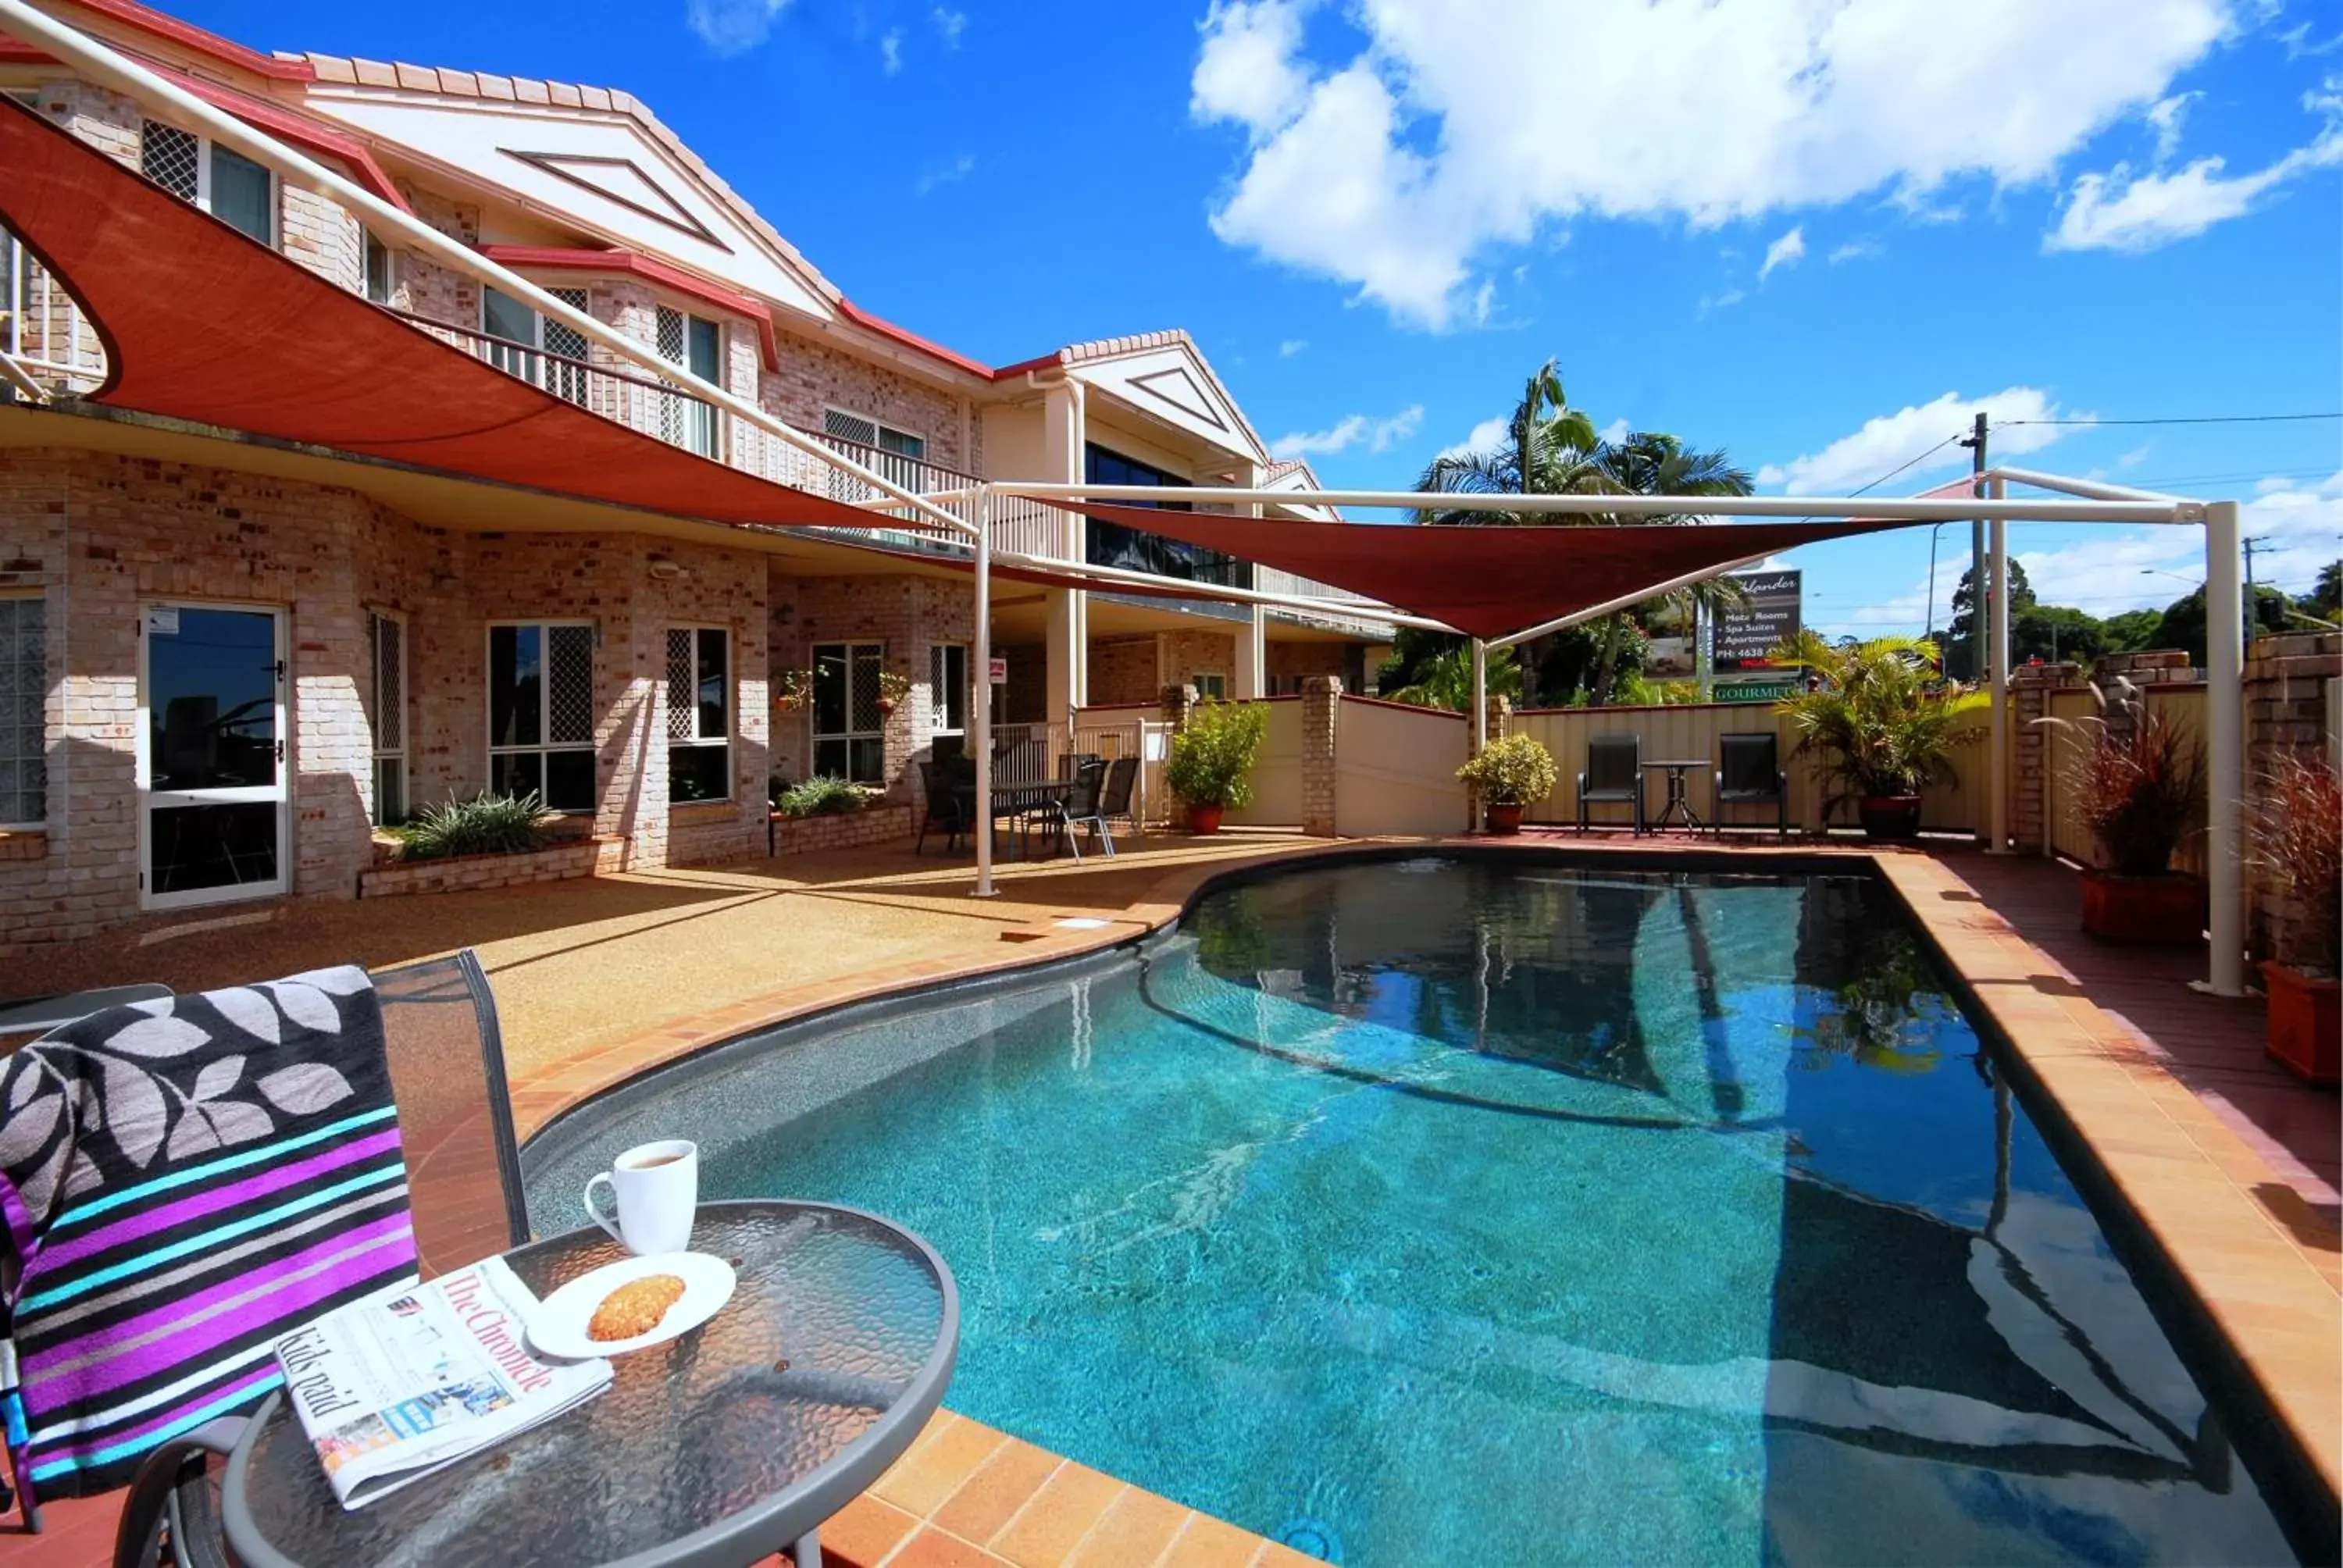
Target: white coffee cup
(654, 1189)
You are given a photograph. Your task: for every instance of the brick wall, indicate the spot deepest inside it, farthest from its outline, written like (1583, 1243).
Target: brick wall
(849, 830)
(1290, 661)
(2286, 712)
(1123, 671)
(1187, 654)
(813, 377)
(908, 615)
(471, 873)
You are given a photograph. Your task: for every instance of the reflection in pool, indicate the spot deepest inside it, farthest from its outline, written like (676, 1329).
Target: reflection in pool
(1518, 1213)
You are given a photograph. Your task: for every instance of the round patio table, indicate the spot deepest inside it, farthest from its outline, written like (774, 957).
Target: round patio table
(1679, 806)
(723, 1446)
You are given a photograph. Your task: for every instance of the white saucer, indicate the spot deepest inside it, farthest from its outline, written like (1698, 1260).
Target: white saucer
(557, 1327)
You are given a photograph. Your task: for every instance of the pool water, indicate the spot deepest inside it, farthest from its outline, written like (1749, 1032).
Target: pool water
(1443, 1210)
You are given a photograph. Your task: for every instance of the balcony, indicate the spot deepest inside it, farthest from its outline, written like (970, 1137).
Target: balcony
(49, 347)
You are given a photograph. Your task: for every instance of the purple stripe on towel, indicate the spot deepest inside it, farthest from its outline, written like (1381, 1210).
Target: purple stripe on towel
(21, 1234)
(187, 1211)
(378, 1250)
(81, 1442)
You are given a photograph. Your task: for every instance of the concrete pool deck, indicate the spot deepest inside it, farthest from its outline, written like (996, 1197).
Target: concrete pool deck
(2229, 1165)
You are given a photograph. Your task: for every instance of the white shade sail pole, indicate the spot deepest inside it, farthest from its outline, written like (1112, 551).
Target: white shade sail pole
(113, 69)
(2225, 748)
(1998, 649)
(979, 713)
(1480, 696)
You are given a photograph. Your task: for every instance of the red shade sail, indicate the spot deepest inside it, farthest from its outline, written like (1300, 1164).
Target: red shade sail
(1489, 581)
(201, 323)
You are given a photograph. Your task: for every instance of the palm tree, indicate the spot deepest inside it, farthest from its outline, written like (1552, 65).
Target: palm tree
(1445, 680)
(1549, 451)
(1648, 463)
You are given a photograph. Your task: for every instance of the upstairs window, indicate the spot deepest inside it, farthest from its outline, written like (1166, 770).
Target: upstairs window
(381, 283)
(544, 353)
(220, 180)
(693, 344)
(845, 426)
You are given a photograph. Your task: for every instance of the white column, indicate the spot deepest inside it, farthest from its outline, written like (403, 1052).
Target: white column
(1480, 696)
(979, 703)
(1997, 649)
(2225, 748)
(1250, 678)
(1068, 612)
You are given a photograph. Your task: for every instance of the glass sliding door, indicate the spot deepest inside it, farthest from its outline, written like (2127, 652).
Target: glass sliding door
(212, 754)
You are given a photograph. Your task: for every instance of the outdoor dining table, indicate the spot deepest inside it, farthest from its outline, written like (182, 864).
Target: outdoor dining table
(1678, 808)
(1017, 800)
(724, 1446)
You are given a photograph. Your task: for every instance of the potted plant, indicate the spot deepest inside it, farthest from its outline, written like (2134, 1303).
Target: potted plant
(892, 689)
(1510, 773)
(1883, 723)
(792, 689)
(2297, 837)
(2137, 781)
(1210, 765)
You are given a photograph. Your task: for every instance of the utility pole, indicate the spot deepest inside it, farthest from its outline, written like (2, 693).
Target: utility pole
(1977, 600)
(2253, 604)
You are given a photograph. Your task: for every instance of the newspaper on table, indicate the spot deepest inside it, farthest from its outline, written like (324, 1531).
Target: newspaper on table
(416, 1377)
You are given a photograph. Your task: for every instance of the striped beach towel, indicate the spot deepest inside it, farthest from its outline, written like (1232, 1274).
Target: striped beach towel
(182, 1182)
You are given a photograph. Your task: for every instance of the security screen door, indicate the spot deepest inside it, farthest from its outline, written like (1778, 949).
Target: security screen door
(211, 762)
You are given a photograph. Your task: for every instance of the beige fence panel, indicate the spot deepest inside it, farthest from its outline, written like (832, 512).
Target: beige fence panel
(1131, 731)
(1277, 776)
(2064, 751)
(1685, 731)
(1397, 769)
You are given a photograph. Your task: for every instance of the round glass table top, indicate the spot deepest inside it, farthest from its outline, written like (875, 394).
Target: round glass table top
(722, 1446)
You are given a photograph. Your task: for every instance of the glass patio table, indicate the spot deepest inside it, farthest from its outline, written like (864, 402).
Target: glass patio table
(1679, 806)
(723, 1446)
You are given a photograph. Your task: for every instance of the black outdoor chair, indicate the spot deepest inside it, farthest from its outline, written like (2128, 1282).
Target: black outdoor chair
(456, 1134)
(1749, 773)
(1084, 808)
(1614, 776)
(1117, 804)
(1070, 765)
(946, 803)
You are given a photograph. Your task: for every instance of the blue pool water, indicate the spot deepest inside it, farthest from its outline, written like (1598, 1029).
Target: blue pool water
(1513, 1214)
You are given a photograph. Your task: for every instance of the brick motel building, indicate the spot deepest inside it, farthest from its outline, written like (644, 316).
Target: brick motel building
(225, 659)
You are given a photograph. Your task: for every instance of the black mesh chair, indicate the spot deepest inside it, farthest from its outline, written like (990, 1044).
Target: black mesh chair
(1749, 773)
(947, 805)
(1116, 805)
(1084, 808)
(1614, 776)
(455, 1132)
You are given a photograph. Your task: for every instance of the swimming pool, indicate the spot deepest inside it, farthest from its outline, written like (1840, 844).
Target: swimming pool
(1527, 1214)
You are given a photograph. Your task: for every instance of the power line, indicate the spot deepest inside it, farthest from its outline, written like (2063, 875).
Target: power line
(2199, 419)
(1899, 469)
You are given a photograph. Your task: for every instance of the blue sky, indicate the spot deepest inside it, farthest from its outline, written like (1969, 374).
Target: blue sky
(1815, 233)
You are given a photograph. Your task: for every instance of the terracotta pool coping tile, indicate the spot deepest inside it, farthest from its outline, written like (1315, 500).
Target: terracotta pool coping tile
(1046, 1532)
(928, 1547)
(864, 1530)
(947, 1454)
(996, 1490)
(1204, 1541)
(1137, 1527)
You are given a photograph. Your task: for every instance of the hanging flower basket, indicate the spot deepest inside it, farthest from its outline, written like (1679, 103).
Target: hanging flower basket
(892, 689)
(792, 689)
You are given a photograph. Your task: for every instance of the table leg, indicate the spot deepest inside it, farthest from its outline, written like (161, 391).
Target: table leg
(807, 1553)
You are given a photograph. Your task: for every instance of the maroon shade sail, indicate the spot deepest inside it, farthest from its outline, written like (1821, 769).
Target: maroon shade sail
(1489, 581)
(201, 323)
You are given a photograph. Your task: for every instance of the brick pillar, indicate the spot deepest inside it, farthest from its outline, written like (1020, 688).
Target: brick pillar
(1501, 713)
(2030, 686)
(2285, 710)
(1179, 706)
(1321, 701)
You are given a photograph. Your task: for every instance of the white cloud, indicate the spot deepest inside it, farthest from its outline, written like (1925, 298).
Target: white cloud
(2165, 114)
(1615, 431)
(1245, 70)
(2118, 210)
(1292, 347)
(1856, 250)
(731, 27)
(1892, 439)
(945, 174)
(1356, 429)
(949, 25)
(1730, 297)
(2136, 456)
(890, 50)
(1488, 436)
(1786, 251)
(1395, 170)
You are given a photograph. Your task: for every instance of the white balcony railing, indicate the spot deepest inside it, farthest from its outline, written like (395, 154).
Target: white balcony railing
(46, 338)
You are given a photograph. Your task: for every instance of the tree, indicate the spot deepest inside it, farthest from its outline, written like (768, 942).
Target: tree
(1445, 680)
(2051, 632)
(2134, 631)
(1548, 451)
(2325, 600)
(1647, 463)
(2184, 620)
(1958, 665)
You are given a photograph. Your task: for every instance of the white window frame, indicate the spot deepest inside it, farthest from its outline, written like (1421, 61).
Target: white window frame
(204, 176)
(375, 709)
(691, 707)
(1220, 681)
(532, 361)
(940, 682)
(543, 747)
(850, 735)
(367, 246)
(41, 751)
(696, 425)
(877, 426)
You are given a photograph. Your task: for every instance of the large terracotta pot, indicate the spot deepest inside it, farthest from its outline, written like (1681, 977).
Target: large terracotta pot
(2306, 1023)
(1202, 820)
(1503, 816)
(2167, 911)
(1889, 816)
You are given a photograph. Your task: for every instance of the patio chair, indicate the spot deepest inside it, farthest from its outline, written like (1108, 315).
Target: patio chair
(1749, 773)
(1084, 808)
(1614, 776)
(445, 1060)
(1119, 802)
(1070, 765)
(944, 805)
(40, 1014)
